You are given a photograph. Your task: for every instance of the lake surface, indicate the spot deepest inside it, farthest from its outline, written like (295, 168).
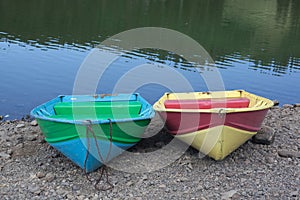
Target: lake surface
(255, 46)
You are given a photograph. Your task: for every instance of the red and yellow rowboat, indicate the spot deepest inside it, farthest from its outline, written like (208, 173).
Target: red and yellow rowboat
(215, 123)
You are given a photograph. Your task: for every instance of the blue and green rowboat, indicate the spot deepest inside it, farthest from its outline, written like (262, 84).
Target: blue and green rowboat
(92, 129)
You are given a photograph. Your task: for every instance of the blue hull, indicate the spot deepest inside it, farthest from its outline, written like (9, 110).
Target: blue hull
(76, 150)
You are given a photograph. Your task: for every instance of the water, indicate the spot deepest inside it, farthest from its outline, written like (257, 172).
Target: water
(255, 45)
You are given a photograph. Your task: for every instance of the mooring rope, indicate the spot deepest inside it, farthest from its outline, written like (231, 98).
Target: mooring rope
(103, 168)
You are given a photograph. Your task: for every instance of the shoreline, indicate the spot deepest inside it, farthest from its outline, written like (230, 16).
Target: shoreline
(31, 169)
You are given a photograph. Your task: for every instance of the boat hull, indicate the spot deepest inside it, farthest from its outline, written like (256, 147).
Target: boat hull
(76, 150)
(216, 142)
(124, 132)
(215, 123)
(70, 123)
(181, 123)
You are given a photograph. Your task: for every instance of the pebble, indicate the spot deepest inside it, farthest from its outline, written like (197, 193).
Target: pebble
(129, 183)
(40, 175)
(34, 123)
(20, 125)
(289, 154)
(145, 177)
(49, 177)
(34, 189)
(287, 106)
(265, 135)
(31, 137)
(4, 155)
(275, 102)
(229, 194)
(270, 160)
(294, 193)
(162, 186)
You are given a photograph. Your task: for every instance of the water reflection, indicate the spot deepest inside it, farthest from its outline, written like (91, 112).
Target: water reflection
(42, 43)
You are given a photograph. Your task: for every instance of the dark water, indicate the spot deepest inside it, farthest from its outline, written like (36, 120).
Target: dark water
(255, 45)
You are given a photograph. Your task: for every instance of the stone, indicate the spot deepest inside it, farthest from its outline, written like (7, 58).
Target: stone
(20, 125)
(297, 105)
(1, 117)
(40, 175)
(229, 194)
(294, 194)
(236, 196)
(270, 160)
(75, 188)
(287, 106)
(49, 177)
(34, 123)
(275, 102)
(31, 137)
(129, 183)
(34, 189)
(265, 135)
(9, 151)
(145, 177)
(162, 186)
(289, 154)
(4, 155)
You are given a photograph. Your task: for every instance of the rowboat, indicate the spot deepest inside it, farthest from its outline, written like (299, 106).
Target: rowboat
(215, 123)
(92, 129)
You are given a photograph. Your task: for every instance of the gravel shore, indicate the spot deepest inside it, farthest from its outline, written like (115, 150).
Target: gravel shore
(31, 169)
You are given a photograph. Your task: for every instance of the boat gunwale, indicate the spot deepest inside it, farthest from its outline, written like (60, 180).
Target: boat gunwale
(160, 107)
(145, 114)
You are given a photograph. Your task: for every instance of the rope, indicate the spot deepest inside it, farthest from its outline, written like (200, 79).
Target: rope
(103, 168)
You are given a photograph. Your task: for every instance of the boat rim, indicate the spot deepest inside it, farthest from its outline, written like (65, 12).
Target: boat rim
(159, 105)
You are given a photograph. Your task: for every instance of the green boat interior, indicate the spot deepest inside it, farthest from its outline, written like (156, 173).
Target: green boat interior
(97, 110)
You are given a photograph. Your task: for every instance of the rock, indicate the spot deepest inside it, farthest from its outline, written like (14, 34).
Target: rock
(294, 193)
(40, 175)
(145, 177)
(31, 137)
(236, 196)
(34, 189)
(34, 123)
(49, 177)
(1, 117)
(9, 151)
(162, 186)
(297, 105)
(289, 154)
(190, 166)
(265, 135)
(287, 106)
(270, 160)
(129, 183)
(275, 102)
(4, 155)
(20, 125)
(229, 194)
(75, 188)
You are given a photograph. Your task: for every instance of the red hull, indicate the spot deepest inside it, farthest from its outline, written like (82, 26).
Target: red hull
(185, 122)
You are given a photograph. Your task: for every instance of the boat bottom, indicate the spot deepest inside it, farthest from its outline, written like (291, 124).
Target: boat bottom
(76, 151)
(216, 142)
